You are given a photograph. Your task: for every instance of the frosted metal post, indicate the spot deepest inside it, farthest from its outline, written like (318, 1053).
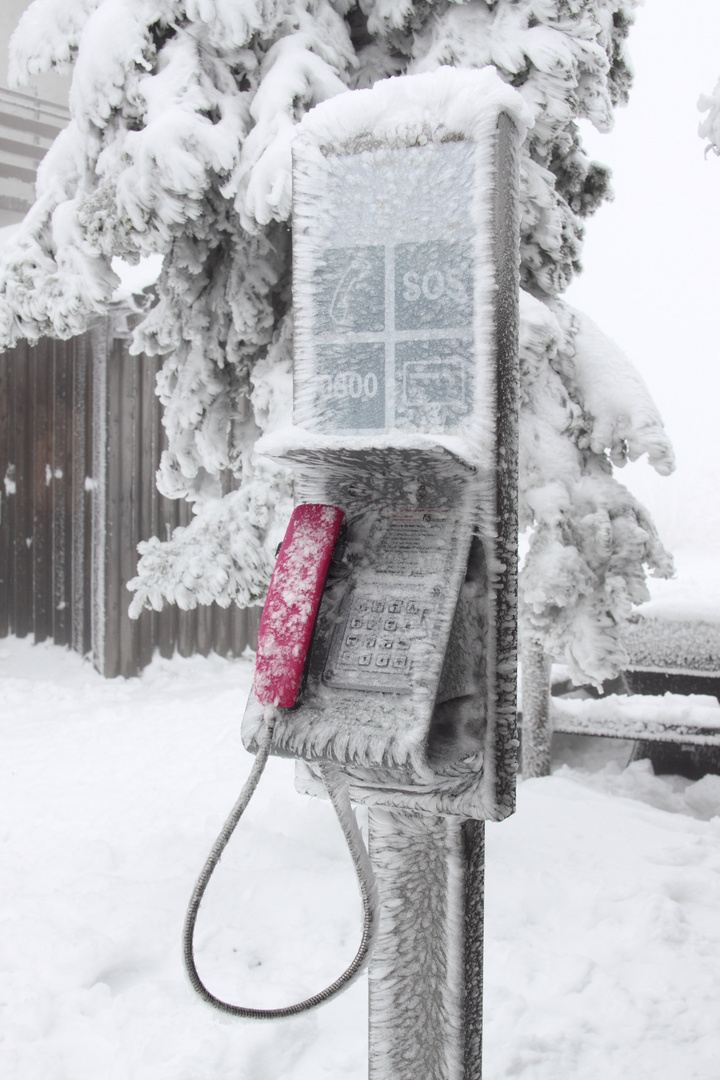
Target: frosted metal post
(426, 974)
(536, 731)
(405, 288)
(426, 970)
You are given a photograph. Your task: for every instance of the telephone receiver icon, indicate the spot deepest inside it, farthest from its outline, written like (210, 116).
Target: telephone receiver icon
(342, 304)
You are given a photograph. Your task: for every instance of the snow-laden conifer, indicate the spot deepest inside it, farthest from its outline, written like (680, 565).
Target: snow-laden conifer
(710, 126)
(183, 112)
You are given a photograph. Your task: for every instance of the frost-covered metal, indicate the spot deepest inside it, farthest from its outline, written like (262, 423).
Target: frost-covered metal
(405, 417)
(405, 285)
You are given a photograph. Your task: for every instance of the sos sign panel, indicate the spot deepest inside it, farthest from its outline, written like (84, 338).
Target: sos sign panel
(385, 267)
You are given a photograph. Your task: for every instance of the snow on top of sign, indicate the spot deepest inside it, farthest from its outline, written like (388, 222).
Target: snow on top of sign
(441, 104)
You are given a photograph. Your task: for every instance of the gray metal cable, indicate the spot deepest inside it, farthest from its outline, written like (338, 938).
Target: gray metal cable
(337, 790)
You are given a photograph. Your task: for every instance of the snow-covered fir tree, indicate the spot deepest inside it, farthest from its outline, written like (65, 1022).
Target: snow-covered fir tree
(710, 126)
(183, 112)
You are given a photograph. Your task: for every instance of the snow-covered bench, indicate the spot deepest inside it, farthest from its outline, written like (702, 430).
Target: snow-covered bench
(669, 694)
(677, 655)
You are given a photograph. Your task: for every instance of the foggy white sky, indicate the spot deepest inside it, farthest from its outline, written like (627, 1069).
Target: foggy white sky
(652, 256)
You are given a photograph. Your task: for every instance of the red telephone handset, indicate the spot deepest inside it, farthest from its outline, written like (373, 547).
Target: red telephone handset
(292, 602)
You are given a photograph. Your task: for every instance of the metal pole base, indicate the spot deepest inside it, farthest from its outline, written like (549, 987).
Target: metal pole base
(536, 727)
(426, 970)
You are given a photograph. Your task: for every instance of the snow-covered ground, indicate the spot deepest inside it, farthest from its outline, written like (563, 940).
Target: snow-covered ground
(603, 894)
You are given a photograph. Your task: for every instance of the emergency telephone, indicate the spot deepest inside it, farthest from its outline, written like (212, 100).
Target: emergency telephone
(386, 650)
(393, 676)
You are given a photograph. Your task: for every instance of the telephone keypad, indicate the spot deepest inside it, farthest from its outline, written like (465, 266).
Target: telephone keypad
(374, 648)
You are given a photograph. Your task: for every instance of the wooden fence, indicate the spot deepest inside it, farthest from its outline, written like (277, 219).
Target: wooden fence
(80, 440)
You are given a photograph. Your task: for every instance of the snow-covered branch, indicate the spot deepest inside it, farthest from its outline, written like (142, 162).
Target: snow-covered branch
(710, 127)
(183, 114)
(583, 408)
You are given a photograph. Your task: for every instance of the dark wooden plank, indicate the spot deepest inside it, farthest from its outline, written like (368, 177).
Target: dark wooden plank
(42, 489)
(79, 474)
(186, 643)
(238, 630)
(168, 515)
(252, 625)
(204, 629)
(22, 616)
(243, 622)
(10, 486)
(81, 495)
(125, 503)
(62, 492)
(150, 437)
(221, 630)
(7, 497)
(105, 505)
(95, 436)
(658, 683)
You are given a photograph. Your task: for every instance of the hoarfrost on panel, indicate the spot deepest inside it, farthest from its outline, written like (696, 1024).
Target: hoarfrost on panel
(390, 251)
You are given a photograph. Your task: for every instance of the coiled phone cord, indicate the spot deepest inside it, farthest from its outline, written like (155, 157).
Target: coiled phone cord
(337, 790)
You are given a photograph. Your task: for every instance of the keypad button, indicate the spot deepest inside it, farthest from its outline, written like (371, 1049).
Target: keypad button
(380, 636)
